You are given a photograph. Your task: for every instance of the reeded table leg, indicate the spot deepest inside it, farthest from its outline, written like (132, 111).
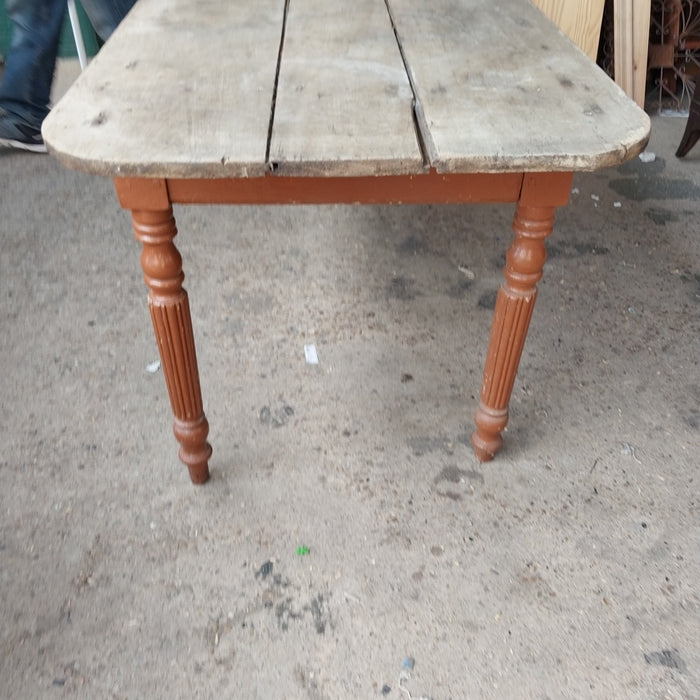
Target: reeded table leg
(514, 306)
(541, 193)
(170, 312)
(149, 200)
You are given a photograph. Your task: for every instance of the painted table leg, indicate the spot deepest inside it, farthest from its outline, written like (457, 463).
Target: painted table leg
(170, 313)
(514, 306)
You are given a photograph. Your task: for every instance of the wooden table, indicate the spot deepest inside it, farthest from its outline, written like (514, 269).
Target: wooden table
(324, 101)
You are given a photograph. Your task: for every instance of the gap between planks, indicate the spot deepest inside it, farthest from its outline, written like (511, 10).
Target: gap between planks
(416, 106)
(270, 165)
(415, 103)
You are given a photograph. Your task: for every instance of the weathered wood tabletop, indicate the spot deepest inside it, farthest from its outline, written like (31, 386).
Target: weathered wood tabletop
(229, 89)
(271, 101)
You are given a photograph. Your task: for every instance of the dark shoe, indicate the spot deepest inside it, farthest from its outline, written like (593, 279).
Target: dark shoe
(13, 135)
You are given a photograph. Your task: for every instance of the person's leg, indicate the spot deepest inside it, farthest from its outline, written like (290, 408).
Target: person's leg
(105, 15)
(25, 91)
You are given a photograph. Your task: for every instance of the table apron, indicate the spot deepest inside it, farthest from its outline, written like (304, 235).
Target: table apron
(427, 188)
(150, 201)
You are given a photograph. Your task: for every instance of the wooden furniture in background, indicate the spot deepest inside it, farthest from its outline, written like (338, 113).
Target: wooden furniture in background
(632, 19)
(674, 52)
(580, 20)
(397, 101)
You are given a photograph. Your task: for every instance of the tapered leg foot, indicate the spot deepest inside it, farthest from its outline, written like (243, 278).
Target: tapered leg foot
(514, 306)
(194, 448)
(486, 439)
(170, 313)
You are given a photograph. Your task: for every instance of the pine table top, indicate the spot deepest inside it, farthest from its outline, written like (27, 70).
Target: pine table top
(211, 89)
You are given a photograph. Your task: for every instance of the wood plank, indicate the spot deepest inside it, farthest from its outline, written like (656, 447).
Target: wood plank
(498, 90)
(631, 42)
(580, 20)
(624, 45)
(640, 33)
(184, 89)
(180, 87)
(344, 103)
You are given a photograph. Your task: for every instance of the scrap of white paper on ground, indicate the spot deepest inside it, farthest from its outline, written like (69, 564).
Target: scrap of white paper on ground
(311, 354)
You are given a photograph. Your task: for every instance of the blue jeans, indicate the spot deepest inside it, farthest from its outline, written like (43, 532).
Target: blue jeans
(25, 91)
(105, 15)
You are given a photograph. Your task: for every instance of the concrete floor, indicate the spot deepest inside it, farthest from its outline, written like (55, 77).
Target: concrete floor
(568, 567)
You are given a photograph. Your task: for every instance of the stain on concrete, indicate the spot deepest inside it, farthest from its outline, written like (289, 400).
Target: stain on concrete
(286, 613)
(265, 570)
(499, 261)
(455, 475)
(693, 279)
(668, 657)
(643, 188)
(423, 445)
(282, 598)
(460, 289)
(691, 414)
(639, 168)
(661, 216)
(644, 181)
(412, 246)
(276, 418)
(402, 289)
(572, 249)
(461, 477)
(692, 420)
(488, 300)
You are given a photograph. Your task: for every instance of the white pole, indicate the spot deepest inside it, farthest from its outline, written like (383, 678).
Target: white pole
(77, 35)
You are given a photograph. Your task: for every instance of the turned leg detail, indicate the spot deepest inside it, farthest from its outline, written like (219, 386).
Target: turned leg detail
(170, 313)
(514, 306)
